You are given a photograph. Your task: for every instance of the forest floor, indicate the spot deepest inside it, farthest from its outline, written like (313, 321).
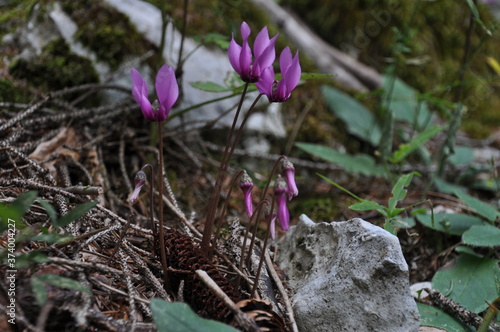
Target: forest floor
(71, 155)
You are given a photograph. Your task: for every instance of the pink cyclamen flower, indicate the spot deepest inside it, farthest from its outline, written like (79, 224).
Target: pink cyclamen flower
(278, 92)
(140, 180)
(280, 193)
(167, 91)
(241, 56)
(288, 171)
(246, 186)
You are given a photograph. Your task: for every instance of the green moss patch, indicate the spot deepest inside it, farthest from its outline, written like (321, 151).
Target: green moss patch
(105, 31)
(56, 68)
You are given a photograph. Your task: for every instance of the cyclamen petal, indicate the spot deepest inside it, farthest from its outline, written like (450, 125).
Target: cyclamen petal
(261, 42)
(266, 82)
(167, 88)
(285, 59)
(245, 30)
(292, 74)
(140, 94)
(267, 57)
(245, 61)
(234, 52)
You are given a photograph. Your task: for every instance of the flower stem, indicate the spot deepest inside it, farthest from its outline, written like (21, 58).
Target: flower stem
(256, 217)
(270, 177)
(223, 212)
(214, 201)
(261, 261)
(163, 256)
(151, 214)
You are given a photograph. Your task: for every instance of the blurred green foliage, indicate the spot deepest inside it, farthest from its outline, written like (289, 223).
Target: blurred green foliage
(366, 29)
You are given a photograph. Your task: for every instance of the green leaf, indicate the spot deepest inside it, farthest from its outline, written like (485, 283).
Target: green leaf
(179, 317)
(38, 288)
(446, 187)
(485, 210)
(210, 86)
(405, 105)
(468, 251)
(475, 12)
(359, 121)
(15, 210)
(336, 185)
(462, 155)
(61, 282)
(74, 214)
(471, 281)
(435, 317)
(366, 205)
(360, 163)
(398, 191)
(482, 236)
(311, 76)
(51, 238)
(51, 212)
(406, 149)
(451, 223)
(218, 39)
(39, 282)
(25, 260)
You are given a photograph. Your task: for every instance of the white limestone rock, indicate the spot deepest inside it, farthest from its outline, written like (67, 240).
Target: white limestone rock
(347, 276)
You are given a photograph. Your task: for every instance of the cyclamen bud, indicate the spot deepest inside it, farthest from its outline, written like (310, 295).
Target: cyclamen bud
(246, 186)
(288, 171)
(140, 180)
(280, 193)
(271, 218)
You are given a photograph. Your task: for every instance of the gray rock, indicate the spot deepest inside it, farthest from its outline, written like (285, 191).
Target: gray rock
(347, 276)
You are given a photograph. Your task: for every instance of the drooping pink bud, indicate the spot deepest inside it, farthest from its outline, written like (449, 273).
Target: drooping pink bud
(246, 186)
(280, 193)
(140, 180)
(288, 171)
(272, 223)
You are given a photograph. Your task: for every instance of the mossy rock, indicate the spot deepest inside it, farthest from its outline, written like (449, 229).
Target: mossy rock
(105, 31)
(56, 68)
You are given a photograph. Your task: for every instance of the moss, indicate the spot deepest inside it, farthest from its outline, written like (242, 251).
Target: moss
(56, 68)
(13, 14)
(108, 33)
(435, 44)
(319, 208)
(11, 93)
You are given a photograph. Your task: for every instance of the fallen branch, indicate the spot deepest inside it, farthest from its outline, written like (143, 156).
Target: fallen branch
(456, 310)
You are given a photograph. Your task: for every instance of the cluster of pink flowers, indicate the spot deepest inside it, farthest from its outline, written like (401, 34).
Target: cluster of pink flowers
(259, 68)
(253, 66)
